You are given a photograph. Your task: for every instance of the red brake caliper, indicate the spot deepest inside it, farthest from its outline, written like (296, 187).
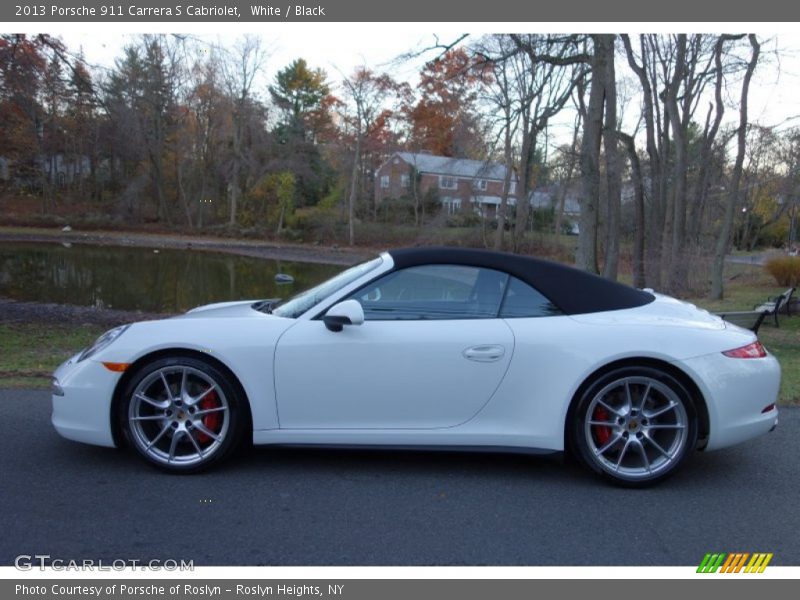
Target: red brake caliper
(602, 433)
(211, 420)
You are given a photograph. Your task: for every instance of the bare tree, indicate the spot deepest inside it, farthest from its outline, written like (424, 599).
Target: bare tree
(500, 94)
(367, 93)
(655, 149)
(612, 164)
(692, 63)
(207, 103)
(673, 72)
(569, 159)
(586, 257)
(724, 238)
(239, 70)
(638, 203)
(543, 85)
(716, 110)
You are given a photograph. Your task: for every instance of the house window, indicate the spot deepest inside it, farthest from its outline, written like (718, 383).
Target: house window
(452, 205)
(405, 180)
(481, 184)
(447, 183)
(385, 181)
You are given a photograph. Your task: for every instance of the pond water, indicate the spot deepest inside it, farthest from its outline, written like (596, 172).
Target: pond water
(131, 278)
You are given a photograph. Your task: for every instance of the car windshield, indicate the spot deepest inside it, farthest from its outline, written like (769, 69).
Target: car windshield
(296, 306)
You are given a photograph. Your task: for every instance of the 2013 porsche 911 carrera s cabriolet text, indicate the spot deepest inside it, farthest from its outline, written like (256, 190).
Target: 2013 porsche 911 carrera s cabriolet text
(430, 348)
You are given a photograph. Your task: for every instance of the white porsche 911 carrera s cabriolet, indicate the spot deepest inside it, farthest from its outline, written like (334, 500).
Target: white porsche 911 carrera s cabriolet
(430, 348)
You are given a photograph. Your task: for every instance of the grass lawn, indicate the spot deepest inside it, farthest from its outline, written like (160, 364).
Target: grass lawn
(748, 286)
(31, 351)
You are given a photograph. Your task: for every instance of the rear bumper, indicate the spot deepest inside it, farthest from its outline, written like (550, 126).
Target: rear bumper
(737, 392)
(82, 409)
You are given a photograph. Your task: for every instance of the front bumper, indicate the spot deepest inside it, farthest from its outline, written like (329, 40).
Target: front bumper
(82, 402)
(737, 391)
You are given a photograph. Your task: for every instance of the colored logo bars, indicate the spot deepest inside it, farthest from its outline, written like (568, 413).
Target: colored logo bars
(735, 562)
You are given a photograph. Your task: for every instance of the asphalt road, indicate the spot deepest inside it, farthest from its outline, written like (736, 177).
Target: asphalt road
(320, 507)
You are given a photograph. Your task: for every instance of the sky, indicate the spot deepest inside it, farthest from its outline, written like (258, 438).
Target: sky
(373, 48)
(340, 48)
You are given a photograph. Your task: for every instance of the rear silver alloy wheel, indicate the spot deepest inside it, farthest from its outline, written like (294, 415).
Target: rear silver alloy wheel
(636, 428)
(179, 416)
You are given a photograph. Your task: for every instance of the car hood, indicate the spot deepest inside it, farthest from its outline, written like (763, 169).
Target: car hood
(238, 308)
(664, 310)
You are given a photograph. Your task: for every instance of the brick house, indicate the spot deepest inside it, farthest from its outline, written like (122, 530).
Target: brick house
(462, 184)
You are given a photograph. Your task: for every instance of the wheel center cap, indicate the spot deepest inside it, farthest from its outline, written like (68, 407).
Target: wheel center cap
(632, 425)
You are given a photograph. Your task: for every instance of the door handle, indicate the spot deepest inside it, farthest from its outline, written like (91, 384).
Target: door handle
(485, 353)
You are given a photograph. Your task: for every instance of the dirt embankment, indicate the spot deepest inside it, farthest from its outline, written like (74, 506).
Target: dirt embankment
(12, 311)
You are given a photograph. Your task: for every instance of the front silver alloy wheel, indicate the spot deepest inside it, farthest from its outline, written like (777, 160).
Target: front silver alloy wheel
(636, 428)
(178, 416)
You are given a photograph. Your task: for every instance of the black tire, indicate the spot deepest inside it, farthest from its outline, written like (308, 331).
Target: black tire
(634, 426)
(182, 414)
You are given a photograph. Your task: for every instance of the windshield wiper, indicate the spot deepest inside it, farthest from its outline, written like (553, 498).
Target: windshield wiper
(266, 306)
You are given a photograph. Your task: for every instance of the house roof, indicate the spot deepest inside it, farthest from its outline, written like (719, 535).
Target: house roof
(457, 167)
(547, 197)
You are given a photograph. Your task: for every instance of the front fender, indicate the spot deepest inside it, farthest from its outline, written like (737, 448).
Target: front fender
(246, 346)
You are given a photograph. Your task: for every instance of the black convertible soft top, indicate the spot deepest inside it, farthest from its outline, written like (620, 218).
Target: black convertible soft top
(573, 291)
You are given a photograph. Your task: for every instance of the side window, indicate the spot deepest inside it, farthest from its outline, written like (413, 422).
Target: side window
(434, 292)
(521, 300)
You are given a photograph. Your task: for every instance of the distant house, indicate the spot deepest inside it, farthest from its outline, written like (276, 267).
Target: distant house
(462, 184)
(548, 196)
(59, 169)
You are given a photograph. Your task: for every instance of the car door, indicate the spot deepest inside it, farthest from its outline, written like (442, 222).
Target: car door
(430, 354)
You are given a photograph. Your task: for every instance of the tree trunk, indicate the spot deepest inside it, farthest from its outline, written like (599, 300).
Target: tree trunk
(676, 273)
(649, 115)
(279, 228)
(182, 192)
(562, 193)
(523, 204)
(233, 194)
(412, 181)
(638, 206)
(238, 133)
(613, 167)
(586, 257)
(723, 241)
(502, 208)
(353, 192)
(704, 177)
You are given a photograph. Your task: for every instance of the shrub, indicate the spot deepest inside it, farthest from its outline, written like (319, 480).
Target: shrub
(317, 224)
(785, 270)
(270, 202)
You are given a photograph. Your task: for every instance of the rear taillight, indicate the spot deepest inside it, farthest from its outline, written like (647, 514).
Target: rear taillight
(754, 350)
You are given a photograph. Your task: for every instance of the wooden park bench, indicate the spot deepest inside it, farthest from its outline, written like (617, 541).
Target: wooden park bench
(773, 305)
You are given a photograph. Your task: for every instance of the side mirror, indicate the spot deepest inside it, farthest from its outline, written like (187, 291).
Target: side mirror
(348, 312)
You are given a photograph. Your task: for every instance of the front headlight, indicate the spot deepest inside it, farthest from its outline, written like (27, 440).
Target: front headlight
(102, 342)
